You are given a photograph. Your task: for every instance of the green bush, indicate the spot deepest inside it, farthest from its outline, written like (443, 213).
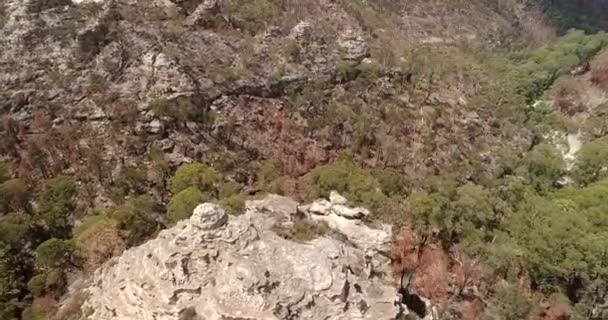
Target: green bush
(271, 177)
(356, 184)
(9, 282)
(392, 183)
(55, 205)
(137, 216)
(198, 175)
(508, 303)
(37, 284)
(229, 189)
(15, 229)
(254, 15)
(542, 165)
(53, 253)
(461, 214)
(183, 203)
(131, 180)
(591, 161)
(234, 204)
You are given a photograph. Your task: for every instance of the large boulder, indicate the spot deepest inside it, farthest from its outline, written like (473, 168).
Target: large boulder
(215, 267)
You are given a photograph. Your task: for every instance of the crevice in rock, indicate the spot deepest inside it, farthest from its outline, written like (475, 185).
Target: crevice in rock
(177, 292)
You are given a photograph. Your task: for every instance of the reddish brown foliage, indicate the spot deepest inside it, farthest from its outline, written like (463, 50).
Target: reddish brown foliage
(405, 252)
(431, 279)
(426, 263)
(471, 310)
(46, 304)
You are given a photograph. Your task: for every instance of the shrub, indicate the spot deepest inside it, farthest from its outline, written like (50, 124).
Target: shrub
(461, 214)
(37, 284)
(254, 15)
(99, 239)
(356, 184)
(508, 303)
(56, 204)
(302, 230)
(183, 203)
(230, 188)
(130, 181)
(543, 165)
(15, 229)
(14, 195)
(137, 216)
(392, 183)
(160, 107)
(234, 204)
(53, 253)
(198, 175)
(268, 174)
(9, 283)
(591, 161)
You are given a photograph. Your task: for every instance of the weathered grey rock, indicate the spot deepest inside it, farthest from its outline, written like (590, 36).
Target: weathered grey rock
(218, 268)
(321, 206)
(336, 205)
(155, 126)
(302, 32)
(165, 144)
(353, 46)
(208, 217)
(351, 213)
(336, 198)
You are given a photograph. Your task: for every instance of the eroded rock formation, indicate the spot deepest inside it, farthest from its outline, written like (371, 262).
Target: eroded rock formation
(213, 266)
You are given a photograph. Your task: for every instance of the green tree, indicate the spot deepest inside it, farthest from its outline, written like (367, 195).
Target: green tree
(542, 165)
(508, 303)
(592, 161)
(182, 204)
(55, 205)
(8, 278)
(137, 216)
(53, 253)
(197, 175)
(15, 229)
(356, 184)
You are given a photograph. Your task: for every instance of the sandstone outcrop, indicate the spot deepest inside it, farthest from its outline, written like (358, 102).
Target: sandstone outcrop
(213, 266)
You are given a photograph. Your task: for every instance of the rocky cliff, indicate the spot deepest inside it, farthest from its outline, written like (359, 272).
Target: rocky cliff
(215, 266)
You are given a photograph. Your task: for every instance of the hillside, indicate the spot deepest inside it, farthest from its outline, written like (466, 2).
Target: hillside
(477, 129)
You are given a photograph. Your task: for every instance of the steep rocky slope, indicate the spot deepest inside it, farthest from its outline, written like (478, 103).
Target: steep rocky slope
(101, 81)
